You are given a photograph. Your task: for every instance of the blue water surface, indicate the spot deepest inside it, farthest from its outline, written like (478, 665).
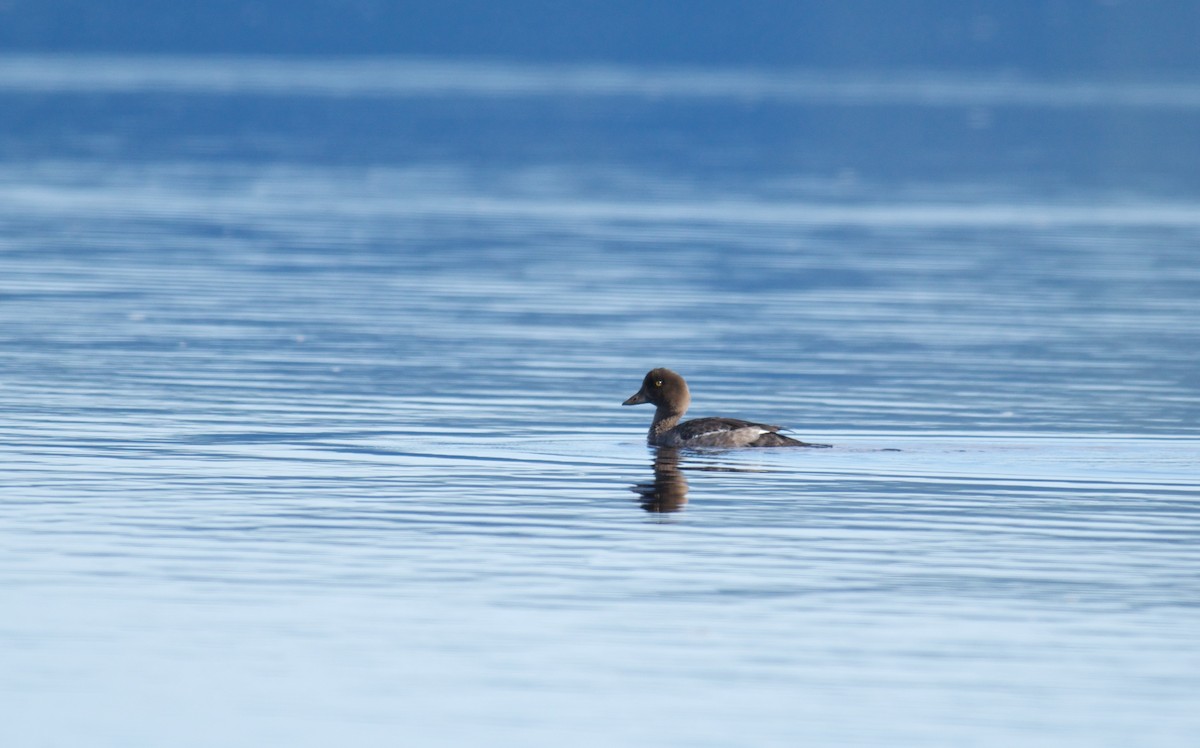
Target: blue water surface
(312, 373)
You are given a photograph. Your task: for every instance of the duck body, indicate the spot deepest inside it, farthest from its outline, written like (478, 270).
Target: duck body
(723, 433)
(669, 393)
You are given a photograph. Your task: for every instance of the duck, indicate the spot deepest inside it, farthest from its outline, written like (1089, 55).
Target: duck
(669, 393)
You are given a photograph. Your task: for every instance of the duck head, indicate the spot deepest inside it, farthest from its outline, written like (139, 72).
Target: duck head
(665, 389)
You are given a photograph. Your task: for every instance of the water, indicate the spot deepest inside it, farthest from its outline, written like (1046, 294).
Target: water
(312, 434)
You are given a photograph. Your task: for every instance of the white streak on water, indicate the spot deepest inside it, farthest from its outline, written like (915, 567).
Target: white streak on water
(294, 196)
(404, 77)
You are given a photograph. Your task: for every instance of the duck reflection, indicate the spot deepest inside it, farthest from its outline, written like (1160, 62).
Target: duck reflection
(668, 491)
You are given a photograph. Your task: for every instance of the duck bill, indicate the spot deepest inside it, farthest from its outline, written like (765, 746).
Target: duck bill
(637, 399)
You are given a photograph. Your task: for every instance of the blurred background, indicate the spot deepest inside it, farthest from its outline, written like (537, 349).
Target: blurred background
(1104, 39)
(1001, 86)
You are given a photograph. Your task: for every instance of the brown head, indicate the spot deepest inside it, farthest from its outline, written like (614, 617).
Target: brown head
(665, 389)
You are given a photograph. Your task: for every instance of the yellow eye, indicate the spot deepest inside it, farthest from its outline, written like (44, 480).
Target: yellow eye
(658, 383)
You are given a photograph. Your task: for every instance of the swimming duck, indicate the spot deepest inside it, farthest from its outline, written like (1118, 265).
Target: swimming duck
(671, 398)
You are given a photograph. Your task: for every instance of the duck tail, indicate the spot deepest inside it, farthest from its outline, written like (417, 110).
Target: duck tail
(772, 439)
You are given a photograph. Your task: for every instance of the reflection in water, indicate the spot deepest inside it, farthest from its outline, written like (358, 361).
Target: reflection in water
(668, 491)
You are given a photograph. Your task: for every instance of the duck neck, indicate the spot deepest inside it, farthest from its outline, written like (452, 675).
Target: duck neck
(665, 419)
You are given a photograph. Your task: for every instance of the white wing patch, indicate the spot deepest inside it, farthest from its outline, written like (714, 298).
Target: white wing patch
(720, 436)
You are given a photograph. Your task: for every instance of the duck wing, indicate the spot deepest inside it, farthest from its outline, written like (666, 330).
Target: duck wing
(731, 433)
(718, 432)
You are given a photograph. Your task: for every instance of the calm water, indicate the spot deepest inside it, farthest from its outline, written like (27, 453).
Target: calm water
(311, 379)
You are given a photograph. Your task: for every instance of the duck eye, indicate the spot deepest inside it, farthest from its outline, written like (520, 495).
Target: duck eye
(658, 383)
